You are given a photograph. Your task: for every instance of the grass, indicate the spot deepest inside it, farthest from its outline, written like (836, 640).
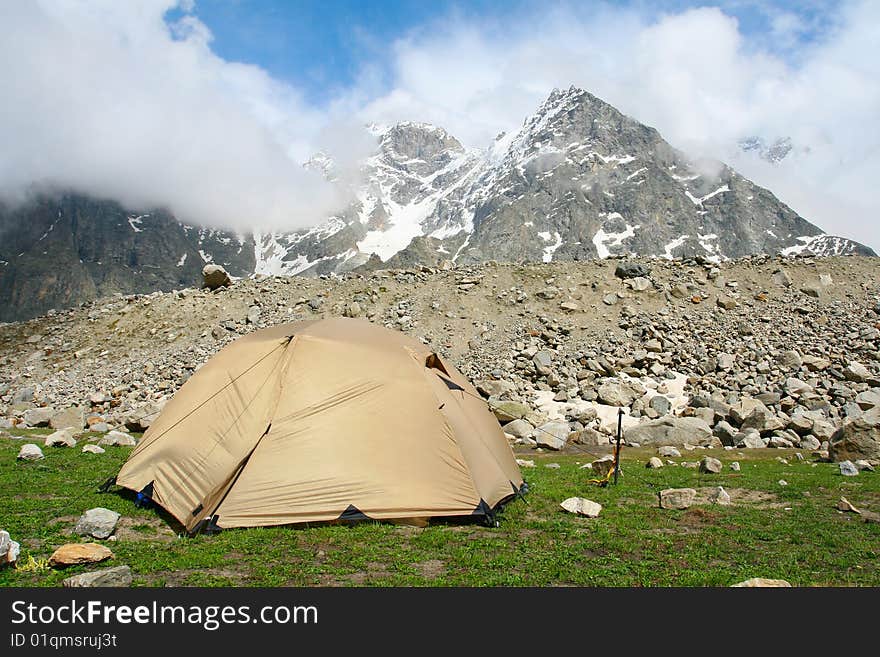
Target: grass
(788, 532)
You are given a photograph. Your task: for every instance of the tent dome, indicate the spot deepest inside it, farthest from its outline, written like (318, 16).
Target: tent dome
(323, 420)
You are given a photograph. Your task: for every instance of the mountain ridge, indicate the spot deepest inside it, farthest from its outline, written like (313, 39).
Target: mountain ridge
(578, 180)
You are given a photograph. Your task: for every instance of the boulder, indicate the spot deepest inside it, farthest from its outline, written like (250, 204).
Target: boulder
(857, 372)
(858, 438)
(92, 449)
(660, 404)
(98, 523)
(215, 277)
(631, 270)
(38, 417)
(789, 359)
(63, 438)
(619, 393)
(602, 466)
(553, 435)
(709, 465)
(667, 451)
(119, 576)
(118, 438)
(720, 497)
(654, 463)
(493, 388)
(29, 452)
(848, 469)
(868, 399)
(677, 498)
(519, 429)
(670, 430)
(9, 549)
(750, 439)
(582, 507)
(141, 419)
(71, 554)
(507, 411)
(69, 417)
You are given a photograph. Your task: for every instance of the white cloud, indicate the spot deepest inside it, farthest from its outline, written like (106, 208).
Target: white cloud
(693, 75)
(106, 98)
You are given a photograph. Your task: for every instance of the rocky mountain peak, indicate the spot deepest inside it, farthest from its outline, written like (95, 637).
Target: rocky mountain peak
(419, 145)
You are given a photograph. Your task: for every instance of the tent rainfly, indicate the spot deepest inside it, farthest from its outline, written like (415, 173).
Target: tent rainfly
(334, 419)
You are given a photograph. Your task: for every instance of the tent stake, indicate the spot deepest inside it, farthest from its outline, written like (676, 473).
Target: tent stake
(617, 448)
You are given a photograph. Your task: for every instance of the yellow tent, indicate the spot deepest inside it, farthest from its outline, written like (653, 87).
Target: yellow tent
(323, 420)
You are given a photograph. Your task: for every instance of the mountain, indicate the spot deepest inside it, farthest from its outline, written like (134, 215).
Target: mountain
(579, 180)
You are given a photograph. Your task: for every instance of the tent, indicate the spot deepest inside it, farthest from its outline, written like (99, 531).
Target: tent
(333, 419)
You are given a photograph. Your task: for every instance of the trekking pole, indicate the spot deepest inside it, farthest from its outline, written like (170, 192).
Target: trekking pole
(617, 449)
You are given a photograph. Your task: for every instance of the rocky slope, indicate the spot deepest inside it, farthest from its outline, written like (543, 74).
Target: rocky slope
(578, 181)
(753, 352)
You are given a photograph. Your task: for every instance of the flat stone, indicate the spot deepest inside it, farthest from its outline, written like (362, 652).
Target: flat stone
(582, 507)
(761, 582)
(92, 449)
(71, 554)
(677, 498)
(119, 576)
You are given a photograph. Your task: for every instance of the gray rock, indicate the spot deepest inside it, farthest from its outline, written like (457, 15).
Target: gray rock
(654, 463)
(810, 442)
(69, 417)
(710, 465)
(631, 270)
(582, 507)
(100, 427)
(863, 464)
(98, 522)
(789, 359)
(619, 393)
(794, 386)
(214, 276)
(29, 452)
(38, 417)
(63, 438)
(667, 451)
(735, 466)
(677, 498)
(781, 278)
(857, 438)
(253, 315)
(670, 430)
(868, 399)
(855, 371)
(553, 435)
(848, 469)
(9, 549)
(610, 299)
(726, 433)
(118, 576)
(750, 439)
(660, 404)
(507, 411)
(493, 388)
(5, 424)
(92, 449)
(118, 438)
(639, 284)
(720, 496)
(519, 429)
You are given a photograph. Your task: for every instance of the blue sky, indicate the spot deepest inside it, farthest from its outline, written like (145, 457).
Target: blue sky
(323, 47)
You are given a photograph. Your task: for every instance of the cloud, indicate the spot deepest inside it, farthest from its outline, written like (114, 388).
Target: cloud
(109, 99)
(692, 74)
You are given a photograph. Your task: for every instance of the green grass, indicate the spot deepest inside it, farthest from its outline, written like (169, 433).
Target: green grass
(792, 532)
